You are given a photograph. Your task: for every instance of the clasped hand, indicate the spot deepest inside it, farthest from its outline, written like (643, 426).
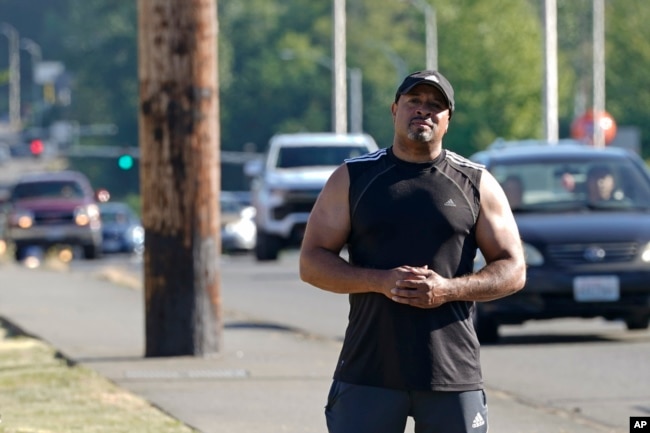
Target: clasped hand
(419, 287)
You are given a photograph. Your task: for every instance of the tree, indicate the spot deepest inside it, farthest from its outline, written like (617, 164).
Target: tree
(98, 45)
(627, 58)
(179, 138)
(490, 50)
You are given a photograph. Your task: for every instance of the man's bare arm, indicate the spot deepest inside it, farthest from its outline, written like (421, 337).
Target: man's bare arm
(499, 241)
(326, 234)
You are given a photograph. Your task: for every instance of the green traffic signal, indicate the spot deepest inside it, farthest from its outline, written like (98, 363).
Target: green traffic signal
(125, 162)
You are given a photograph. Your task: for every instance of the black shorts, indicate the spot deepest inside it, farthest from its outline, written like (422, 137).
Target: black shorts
(367, 409)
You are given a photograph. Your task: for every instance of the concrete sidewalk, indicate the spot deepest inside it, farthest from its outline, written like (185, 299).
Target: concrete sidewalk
(266, 378)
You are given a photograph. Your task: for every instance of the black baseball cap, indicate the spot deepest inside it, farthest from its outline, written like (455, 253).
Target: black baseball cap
(432, 78)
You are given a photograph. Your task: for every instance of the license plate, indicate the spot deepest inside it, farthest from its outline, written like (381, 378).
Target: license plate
(601, 288)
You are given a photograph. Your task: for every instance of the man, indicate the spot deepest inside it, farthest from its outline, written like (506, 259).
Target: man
(412, 217)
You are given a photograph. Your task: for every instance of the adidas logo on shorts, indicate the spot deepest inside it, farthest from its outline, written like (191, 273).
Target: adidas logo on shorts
(478, 421)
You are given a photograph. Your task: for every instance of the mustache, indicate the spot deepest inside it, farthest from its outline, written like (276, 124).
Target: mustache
(427, 120)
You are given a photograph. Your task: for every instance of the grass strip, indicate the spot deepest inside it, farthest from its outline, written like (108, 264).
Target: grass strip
(41, 393)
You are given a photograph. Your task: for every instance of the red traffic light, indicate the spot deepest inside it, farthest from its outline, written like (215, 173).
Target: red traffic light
(36, 147)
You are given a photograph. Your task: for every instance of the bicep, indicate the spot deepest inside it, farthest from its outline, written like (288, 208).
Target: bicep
(496, 233)
(329, 221)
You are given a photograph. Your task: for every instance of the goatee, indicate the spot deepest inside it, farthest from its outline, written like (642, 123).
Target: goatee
(421, 135)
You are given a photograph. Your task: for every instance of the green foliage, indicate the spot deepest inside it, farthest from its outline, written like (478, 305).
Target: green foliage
(101, 49)
(497, 73)
(105, 173)
(134, 201)
(274, 75)
(628, 63)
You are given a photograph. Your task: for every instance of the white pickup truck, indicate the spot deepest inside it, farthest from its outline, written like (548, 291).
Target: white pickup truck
(287, 182)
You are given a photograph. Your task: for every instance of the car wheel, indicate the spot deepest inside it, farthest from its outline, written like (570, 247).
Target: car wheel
(19, 253)
(92, 252)
(637, 322)
(267, 246)
(487, 329)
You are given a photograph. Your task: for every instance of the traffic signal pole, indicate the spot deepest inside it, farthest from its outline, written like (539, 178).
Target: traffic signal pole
(179, 175)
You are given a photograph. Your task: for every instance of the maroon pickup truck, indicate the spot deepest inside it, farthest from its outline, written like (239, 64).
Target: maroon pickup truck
(53, 208)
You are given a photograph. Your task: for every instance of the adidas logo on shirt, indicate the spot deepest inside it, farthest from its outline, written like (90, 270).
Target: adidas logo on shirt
(478, 421)
(450, 203)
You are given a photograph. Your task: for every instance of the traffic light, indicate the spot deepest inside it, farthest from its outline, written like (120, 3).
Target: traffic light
(36, 147)
(125, 162)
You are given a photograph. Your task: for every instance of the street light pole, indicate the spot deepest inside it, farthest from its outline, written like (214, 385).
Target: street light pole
(36, 55)
(431, 36)
(14, 74)
(550, 72)
(355, 77)
(339, 68)
(356, 100)
(599, 72)
(34, 51)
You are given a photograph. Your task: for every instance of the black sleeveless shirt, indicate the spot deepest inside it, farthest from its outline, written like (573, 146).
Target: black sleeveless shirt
(412, 214)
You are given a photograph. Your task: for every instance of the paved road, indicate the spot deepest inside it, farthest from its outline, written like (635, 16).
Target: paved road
(590, 370)
(265, 378)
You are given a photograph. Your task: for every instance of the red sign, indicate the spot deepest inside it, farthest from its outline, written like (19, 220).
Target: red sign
(582, 127)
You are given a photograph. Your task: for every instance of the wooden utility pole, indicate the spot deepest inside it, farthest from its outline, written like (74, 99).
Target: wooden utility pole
(179, 175)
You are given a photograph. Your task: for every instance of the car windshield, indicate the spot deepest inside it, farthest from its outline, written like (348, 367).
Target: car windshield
(55, 189)
(579, 184)
(116, 216)
(311, 156)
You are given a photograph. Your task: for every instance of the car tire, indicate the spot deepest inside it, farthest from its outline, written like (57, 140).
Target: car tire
(267, 247)
(92, 252)
(634, 323)
(486, 327)
(19, 252)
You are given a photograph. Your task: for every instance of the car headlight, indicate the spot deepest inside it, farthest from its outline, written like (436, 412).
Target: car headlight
(84, 215)
(248, 213)
(244, 228)
(645, 255)
(22, 218)
(137, 235)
